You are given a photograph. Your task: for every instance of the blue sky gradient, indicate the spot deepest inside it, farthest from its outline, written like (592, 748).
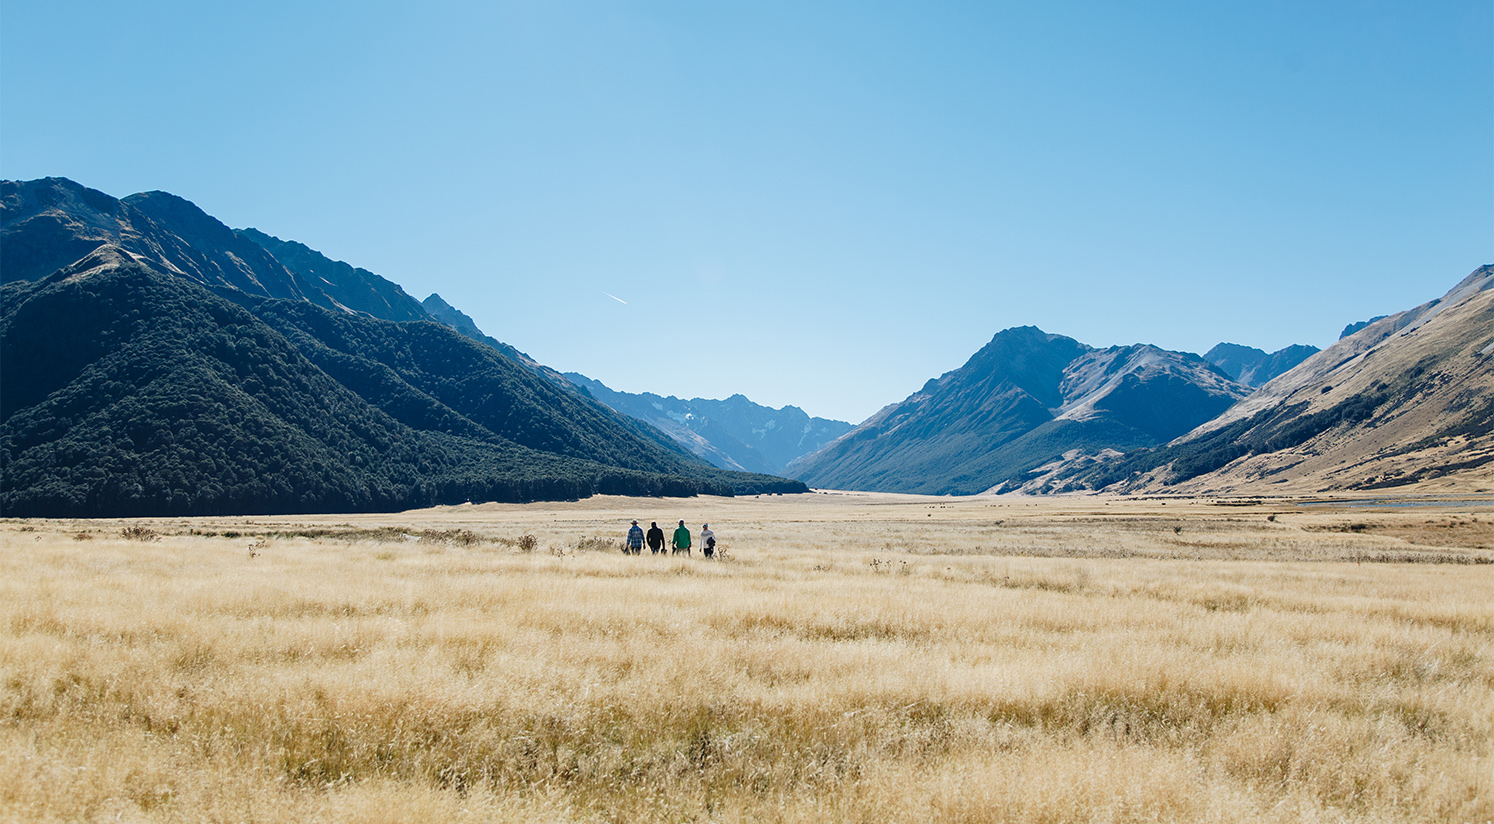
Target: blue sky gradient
(822, 204)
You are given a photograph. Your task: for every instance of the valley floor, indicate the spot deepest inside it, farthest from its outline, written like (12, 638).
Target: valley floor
(856, 657)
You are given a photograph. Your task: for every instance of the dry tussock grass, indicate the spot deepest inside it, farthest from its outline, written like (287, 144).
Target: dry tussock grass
(853, 663)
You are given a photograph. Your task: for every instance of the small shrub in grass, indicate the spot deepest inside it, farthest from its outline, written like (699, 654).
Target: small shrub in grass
(139, 533)
(528, 543)
(459, 537)
(597, 545)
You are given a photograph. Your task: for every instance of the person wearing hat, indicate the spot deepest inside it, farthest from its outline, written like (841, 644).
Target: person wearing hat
(682, 539)
(635, 540)
(707, 541)
(655, 538)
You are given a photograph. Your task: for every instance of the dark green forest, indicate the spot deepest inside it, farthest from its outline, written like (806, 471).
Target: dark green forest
(128, 392)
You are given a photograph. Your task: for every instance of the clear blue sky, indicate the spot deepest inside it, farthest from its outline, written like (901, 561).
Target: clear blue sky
(815, 203)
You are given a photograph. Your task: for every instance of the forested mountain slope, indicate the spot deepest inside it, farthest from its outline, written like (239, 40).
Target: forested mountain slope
(178, 367)
(422, 373)
(129, 391)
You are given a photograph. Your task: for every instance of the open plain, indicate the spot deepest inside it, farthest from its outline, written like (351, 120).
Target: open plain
(854, 657)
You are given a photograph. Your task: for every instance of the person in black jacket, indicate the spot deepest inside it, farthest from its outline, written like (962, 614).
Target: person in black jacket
(655, 538)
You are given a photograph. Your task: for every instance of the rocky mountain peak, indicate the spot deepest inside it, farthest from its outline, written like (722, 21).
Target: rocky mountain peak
(1024, 400)
(1255, 367)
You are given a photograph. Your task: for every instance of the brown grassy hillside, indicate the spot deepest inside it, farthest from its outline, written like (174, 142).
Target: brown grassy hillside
(1407, 404)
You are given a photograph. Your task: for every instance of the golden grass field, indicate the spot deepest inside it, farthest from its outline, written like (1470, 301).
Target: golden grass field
(859, 658)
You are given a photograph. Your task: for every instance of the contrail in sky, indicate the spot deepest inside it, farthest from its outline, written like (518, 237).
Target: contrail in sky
(616, 298)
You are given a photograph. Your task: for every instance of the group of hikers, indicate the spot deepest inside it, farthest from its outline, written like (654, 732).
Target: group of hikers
(679, 543)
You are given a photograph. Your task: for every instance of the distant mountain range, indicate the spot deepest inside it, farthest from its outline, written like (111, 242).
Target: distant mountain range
(1023, 401)
(1254, 367)
(156, 362)
(733, 434)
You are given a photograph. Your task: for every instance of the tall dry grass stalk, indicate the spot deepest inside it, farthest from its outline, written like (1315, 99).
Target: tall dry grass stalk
(850, 664)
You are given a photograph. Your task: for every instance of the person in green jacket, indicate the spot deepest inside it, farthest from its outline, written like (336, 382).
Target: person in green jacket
(681, 539)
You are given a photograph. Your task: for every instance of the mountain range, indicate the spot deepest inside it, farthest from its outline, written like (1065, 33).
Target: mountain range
(157, 362)
(733, 434)
(1398, 401)
(1021, 402)
(1254, 367)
